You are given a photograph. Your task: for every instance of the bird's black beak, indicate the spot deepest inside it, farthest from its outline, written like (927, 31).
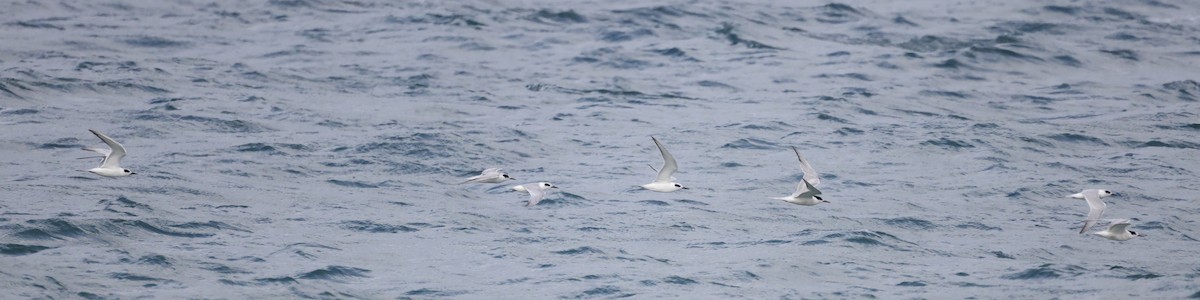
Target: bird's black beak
(132, 173)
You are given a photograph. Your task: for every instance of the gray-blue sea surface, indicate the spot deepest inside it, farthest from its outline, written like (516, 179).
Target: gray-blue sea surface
(312, 148)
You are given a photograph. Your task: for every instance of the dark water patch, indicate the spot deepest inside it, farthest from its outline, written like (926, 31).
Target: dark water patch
(607, 291)
(424, 225)
(19, 112)
(1034, 99)
(561, 17)
(1070, 10)
(856, 76)
(101, 67)
(727, 31)
(578, 251)
(39, 24)
(258, 147)
(331, 124)
(416, 145)
(752, 126)
(1142, 275)
(746, 276)
(19, 249)
(49, 229)
(1165, 144)
(654, 202)
(1193, 126)
(133, 277)
(861, 238)
(1076, 138)
(372, 227)
(857, 92)
(911, 283)
(946, 94)
(675, 53)
(143, 225)
(438, 19)
(837, 13)
(932, 43)
(297, 51)
(126, 85)
(1122, 36)
(152, 42)
(1001, 254)
(1121, 14)
(976, 225)
(910, 223)
(122, 202)
(222, 269)
(335, 273)
(691, 202)
(768, 242)
(950, 64)
(1045, 271)
(1019, 27)
(154, 260)
(275, 280)
(64, 143)
(6, 83)
(90, 296)
(315, 34)
(591, 229)
(948, 144)
(433, 293)
(1188, 90)
(849, 131)
(998, 54)
(639, 96)
(715, 84)
(750, 143)
(901, 20)
(215, 225)
(1067, 60)
(679, 280)
(970, 284)
(826, 117)
(234, 282)
(622, 36)
(1037, 142)
(1122, 53)
(353, 184)
(815, 242)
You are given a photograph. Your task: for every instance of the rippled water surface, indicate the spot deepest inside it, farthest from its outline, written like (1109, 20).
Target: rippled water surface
(310, 148)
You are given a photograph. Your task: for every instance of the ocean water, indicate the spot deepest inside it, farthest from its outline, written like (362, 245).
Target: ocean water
(311, 148)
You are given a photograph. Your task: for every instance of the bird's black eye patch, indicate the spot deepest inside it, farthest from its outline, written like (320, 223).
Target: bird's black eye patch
(677, 185)
(1133, 232)
(505, 175)
(126, 170)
